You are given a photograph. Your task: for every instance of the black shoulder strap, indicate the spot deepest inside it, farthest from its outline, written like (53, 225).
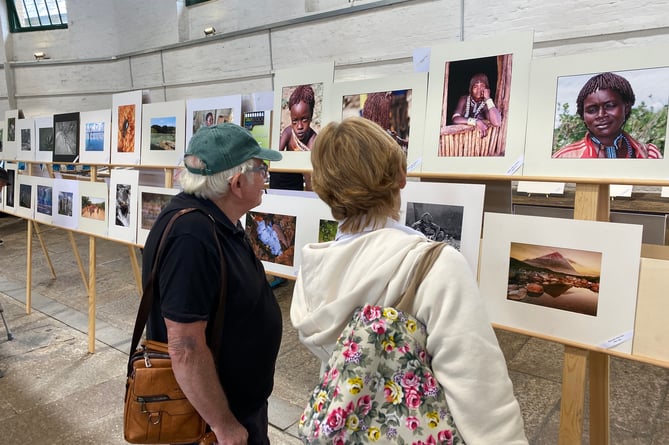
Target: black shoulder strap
(147, 294)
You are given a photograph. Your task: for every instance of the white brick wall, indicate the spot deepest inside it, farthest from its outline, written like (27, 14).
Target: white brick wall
(374, 42)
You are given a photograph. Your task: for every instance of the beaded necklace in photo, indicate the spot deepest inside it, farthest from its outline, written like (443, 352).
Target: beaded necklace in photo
(611, 149)
(471, 103)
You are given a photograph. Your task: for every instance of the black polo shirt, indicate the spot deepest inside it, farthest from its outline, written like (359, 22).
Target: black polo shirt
(189, 288)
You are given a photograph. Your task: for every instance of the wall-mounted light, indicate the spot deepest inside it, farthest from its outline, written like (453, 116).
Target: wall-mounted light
(209, 31)
(40, 55)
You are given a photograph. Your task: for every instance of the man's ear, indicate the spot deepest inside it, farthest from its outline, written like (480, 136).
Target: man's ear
(235, 184)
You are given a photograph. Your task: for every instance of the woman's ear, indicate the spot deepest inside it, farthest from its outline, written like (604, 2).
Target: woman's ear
(403, 180)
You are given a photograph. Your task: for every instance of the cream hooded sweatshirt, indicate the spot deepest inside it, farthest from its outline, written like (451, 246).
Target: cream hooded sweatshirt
(374, 267)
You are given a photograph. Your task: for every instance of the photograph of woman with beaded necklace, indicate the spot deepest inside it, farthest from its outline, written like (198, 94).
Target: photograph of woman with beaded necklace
(614, 129)
(475, 105)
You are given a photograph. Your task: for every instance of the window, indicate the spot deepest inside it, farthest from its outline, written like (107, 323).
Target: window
(36, 15)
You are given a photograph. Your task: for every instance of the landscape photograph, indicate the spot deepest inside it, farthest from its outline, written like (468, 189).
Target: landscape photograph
(163, 133)
(555, 277)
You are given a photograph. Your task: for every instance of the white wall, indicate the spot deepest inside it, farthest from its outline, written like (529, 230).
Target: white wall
(120, 45)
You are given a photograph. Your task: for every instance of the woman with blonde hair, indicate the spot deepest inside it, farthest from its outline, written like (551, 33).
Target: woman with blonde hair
(359, 171)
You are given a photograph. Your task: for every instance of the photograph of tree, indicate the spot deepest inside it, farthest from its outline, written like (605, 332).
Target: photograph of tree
(642, 127)
(272, 236)
(437, 221)
(555, 277)
(163, 133)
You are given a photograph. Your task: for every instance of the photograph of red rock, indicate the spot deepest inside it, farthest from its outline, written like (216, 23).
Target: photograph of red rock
(555, 277)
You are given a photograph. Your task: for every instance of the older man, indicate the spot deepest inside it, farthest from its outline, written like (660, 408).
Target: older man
(224, 178)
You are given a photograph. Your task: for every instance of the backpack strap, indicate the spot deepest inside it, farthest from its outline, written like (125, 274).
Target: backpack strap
(419, 273)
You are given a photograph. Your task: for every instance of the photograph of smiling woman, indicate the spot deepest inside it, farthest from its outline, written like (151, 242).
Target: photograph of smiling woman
(604, 106)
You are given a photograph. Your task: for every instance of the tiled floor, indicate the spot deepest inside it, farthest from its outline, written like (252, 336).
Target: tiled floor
(55, 392)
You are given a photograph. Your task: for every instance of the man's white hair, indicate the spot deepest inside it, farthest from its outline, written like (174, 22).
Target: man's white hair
(212, 186)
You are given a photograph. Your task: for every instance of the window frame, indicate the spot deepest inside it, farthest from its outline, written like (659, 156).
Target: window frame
(15, 20)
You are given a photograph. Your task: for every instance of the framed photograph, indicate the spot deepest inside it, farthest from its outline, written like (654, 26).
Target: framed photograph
(123, 196)
(44, 141)
(10, 191)
(476, 107)
(566, 279)
(65, 196)
(209, 111)
(10, 140)
(25, 132)
(280, 226)
(152, 200)
(259, 123)
(92, 207)
(25, 196)
(395, 103)
(571, 134)
(66, 137)
(126, 128)
(451, 213)
(163, 133)
(44, 202)
(95, 137)
(300, 108)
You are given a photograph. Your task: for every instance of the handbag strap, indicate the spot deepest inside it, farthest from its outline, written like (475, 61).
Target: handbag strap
(147, 294)
(419, 273)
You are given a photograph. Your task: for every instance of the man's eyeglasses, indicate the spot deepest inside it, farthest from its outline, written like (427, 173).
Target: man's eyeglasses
(262, 168)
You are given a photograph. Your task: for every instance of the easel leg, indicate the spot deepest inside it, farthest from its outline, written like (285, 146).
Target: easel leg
(599, 397)
(135, 269)
(46, 252)
(91, 293)
(29, 269)
(573, 395)
(75, 250)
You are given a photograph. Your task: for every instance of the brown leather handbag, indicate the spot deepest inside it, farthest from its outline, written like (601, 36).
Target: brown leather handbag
(156, 411)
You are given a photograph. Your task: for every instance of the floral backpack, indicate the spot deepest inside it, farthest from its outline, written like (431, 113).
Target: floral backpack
(378, 386)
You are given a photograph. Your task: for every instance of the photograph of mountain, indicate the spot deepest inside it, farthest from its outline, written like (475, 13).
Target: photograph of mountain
(554, 277)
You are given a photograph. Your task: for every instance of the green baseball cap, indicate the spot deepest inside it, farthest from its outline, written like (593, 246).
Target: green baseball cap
(224, 146)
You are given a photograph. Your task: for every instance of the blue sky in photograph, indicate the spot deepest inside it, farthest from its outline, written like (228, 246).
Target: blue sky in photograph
(170, 121)
(650, 86)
